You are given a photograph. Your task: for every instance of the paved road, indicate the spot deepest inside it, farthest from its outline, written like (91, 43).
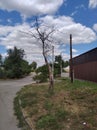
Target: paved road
(8, 89)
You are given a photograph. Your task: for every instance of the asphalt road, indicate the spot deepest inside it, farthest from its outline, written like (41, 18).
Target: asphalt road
(8, 89)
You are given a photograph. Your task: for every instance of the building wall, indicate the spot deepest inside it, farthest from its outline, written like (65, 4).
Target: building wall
(86, 71)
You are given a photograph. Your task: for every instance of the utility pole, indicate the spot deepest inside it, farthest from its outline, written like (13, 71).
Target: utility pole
(61, 64)
(53, 61)
(71, 61)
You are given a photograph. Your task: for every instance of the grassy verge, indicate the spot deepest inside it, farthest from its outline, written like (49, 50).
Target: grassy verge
(70, 107)
(21, 121)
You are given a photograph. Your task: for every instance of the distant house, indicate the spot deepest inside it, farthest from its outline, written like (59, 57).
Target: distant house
(85, 66)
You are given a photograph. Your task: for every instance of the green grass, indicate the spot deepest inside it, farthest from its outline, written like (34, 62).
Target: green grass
(69, 107)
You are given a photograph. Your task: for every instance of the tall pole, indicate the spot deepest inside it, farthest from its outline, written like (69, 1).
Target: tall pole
(71, 62)
(53, 61)
(61, 63)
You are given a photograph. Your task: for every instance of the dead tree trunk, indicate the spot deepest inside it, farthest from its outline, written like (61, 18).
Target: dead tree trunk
(51, 79)
(44, 38)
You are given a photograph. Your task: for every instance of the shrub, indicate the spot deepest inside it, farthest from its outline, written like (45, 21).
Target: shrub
(2, 74)
(40, 78)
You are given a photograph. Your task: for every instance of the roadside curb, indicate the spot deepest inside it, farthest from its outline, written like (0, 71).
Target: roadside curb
(26, 119)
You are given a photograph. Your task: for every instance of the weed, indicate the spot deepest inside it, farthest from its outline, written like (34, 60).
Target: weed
(18, 112)
(28, 99)
(47, 122)
(48, 105)
(61, 114)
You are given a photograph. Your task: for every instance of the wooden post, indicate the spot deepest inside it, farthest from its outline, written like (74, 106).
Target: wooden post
(53, 62)
(71, 62)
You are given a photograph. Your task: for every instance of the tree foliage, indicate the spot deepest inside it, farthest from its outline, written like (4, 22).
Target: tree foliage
(33, 65)
(66, 63)
(59, 60)
(59, 65)
(1, 60)
(42, 74)
(15, 66)
(2, 72)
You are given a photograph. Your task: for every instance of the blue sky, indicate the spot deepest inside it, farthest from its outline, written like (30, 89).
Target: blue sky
(76, 17)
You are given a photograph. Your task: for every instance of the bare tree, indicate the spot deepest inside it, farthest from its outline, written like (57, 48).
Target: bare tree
(45, 41)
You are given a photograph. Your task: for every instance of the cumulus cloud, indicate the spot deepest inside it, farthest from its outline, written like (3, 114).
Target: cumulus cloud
(31, 7)
(92, 3)
(95, 27)
(64, 26)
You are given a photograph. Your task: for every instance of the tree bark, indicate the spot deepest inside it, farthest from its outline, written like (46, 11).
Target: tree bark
(51, 79)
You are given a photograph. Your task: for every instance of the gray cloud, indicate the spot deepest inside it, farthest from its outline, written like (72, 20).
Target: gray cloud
(31, 7)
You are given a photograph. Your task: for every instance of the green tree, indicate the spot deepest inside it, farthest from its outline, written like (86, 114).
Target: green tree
(2, 72)
(59, 64)
(14, 63)
(57, 70)
(59, 60)
(26, 69)
(1, 62)
(66, 63)
(33, 65)
(42, 74)
(43, 69)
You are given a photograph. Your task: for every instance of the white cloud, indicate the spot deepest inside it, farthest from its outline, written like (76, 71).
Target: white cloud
(74, 50)
(92, 3)
(95, 27)
(11, 36)
(31, 7)
(67, 26)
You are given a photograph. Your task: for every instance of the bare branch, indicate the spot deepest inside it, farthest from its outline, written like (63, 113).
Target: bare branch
(31, 34)
(49, 34)
(45, 40)
(37, 28)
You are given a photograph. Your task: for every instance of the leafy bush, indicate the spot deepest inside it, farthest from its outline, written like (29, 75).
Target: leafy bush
(2, 74)
(10, 74)
(14, 64)
(40, 78)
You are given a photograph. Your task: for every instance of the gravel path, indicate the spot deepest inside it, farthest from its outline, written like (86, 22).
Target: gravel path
(8, 89)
